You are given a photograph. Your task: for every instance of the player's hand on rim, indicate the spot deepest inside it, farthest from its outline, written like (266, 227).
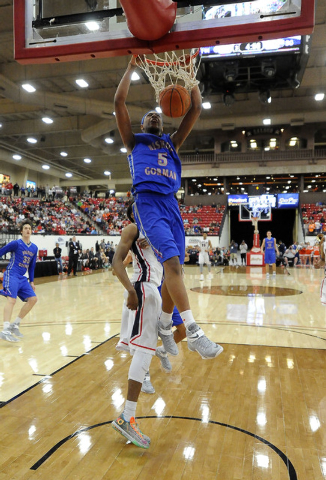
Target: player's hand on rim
(136, 60)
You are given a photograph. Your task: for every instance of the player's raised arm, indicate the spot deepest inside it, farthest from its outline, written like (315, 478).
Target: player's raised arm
(188, 120)
(121, 111)
(128, 235)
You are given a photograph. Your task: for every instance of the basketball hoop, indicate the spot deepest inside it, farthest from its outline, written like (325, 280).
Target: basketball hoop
(254, 220)
(168, 68)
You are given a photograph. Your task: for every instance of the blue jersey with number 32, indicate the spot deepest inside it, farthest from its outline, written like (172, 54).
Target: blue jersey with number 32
(23, 258)
(154, 164)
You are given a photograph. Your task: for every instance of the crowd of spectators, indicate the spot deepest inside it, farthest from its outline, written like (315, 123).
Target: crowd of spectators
(108, 214)
(48, 216)
(86, 215)
(100, 257)
(199, 219)
(314, 218)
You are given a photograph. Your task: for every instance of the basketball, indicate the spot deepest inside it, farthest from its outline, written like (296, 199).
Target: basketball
(174, 101)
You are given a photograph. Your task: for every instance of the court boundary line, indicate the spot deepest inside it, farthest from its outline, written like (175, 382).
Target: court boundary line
(3, 404)
(288, 464)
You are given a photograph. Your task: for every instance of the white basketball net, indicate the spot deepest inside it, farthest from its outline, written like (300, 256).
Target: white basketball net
(168, 68)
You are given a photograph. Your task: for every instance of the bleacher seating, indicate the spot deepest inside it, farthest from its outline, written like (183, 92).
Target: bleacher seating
(312, 213)
(206, 217)
(48, 216)
(105, 215)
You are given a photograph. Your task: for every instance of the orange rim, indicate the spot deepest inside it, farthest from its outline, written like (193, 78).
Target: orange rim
(161, 64)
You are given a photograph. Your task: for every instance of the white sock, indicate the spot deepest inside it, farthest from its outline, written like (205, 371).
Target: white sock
(165, 318)
(17, 321)
(6, 326)
(129, 410)
(187, 317)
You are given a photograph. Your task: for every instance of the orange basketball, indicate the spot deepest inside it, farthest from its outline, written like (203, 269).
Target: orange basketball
(174, 101)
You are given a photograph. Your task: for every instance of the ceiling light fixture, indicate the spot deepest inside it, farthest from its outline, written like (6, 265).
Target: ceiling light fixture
(206, 105)
(16, 157)
(81, 83)
(87, 160)
(29, 88)
(107, 172)
(92, 26)
(267, 121)
(135, 76)
(45, 167)
(319, 97)
(158, 109)
(123, 150)
(68, 174)
(109, 140)
(47, 120)
(31, 140)
(64, 154)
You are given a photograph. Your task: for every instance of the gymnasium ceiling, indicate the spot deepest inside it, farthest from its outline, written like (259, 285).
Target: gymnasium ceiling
(81, 128)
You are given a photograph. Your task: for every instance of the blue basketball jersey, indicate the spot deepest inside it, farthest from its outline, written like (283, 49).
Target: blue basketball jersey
(269, 244)
(154, 164)
(23, 258)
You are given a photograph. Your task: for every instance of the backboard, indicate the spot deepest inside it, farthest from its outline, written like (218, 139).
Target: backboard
(248, 212)
(49, 32)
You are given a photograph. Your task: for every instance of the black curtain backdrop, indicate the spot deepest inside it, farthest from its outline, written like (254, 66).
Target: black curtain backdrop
(281, 226)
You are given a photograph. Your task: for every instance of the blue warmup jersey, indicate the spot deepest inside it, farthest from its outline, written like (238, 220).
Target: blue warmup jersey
(23, 260)
(154, 164)
(270, 256)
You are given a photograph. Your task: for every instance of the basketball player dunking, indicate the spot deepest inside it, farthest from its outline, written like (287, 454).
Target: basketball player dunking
(269, 244)
(156, 175)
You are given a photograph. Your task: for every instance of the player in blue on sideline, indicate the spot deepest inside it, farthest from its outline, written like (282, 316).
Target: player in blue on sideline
(18, 280)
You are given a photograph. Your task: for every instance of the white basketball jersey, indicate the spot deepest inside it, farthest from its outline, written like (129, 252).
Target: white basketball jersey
(145, 264)
(203, 244)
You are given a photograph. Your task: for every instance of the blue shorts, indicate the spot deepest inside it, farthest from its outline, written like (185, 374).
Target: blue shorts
(158, 219)
(270, 257)
(14, 286)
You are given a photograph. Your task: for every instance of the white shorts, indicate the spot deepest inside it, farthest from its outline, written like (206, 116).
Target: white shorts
(139, 327)
(203, 258)
(126, 327)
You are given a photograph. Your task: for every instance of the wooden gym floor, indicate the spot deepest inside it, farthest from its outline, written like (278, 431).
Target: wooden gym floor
(258, 411)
